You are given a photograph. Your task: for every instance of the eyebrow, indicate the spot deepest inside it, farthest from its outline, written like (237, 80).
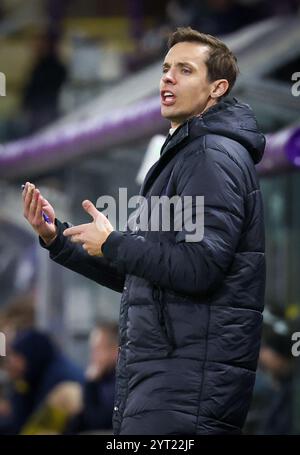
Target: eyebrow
(180, 64)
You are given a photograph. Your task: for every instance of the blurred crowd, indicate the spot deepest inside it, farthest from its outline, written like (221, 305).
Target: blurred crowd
(50, 72)
(271, 411)
(216, 17)
(42, 390)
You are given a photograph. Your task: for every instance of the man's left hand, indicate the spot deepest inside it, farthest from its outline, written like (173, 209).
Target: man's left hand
(91, 235)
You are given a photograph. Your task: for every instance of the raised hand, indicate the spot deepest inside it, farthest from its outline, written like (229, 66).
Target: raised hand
(91, 235)
(34, 205)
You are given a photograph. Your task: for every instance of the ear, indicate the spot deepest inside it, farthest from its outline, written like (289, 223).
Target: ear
(219, 88)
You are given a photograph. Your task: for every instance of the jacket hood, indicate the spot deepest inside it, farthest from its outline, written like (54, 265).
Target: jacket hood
(234, 120)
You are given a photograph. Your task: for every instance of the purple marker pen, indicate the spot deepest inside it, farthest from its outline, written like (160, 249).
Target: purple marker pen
(46, 217)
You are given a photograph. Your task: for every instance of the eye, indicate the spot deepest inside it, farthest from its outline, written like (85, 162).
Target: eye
(164, 70)
(186, 71)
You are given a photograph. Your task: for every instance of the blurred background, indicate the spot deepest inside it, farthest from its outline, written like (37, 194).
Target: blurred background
(80, 118)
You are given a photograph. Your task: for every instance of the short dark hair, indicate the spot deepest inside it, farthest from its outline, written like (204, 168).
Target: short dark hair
(221, 62)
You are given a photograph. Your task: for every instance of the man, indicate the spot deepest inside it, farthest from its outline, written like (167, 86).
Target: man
(37, 369)
(99, 387)
(48, 75)
(190, 317)
(276, 363)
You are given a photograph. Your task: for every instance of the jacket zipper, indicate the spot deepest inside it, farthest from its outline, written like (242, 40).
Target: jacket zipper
(164, 319)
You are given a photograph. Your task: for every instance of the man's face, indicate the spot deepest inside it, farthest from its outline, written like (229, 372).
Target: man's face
(15, 365)
(103, 352)
(184, 88)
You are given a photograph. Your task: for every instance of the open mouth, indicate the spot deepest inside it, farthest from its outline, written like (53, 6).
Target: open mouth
(167, 98)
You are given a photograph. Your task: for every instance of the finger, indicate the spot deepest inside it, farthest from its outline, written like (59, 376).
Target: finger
(102, 221)
(74, 230)
(87, 249)
(33, 204)
(90, 209)
(38, 218)
(24, 192)
(45, 202)
(28, 198)
(47, 209)
(76, 239)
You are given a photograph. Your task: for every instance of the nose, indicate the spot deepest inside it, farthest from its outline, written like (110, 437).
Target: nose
(169, 77)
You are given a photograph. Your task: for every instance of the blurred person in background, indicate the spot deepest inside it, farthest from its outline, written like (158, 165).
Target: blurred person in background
(191, 310)
(17, 261)
(276, 362)
(41, 93)
(38, 371)
(221, 17)
(99, 386)
(17, 315)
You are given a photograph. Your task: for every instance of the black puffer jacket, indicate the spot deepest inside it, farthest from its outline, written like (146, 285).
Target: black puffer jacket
(191, 312)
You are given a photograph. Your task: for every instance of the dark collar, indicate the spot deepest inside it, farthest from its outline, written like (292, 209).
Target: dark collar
(178, 136)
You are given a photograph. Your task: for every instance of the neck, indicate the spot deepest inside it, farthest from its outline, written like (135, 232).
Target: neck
(211, 102)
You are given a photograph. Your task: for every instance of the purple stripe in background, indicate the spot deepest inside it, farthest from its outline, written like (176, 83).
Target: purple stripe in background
(282, 152)
(293, 147)
(48, 150)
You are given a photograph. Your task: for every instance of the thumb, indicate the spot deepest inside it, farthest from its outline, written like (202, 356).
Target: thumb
(90, 209)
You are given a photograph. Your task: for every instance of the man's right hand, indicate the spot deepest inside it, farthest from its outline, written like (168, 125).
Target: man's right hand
(34, 204)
